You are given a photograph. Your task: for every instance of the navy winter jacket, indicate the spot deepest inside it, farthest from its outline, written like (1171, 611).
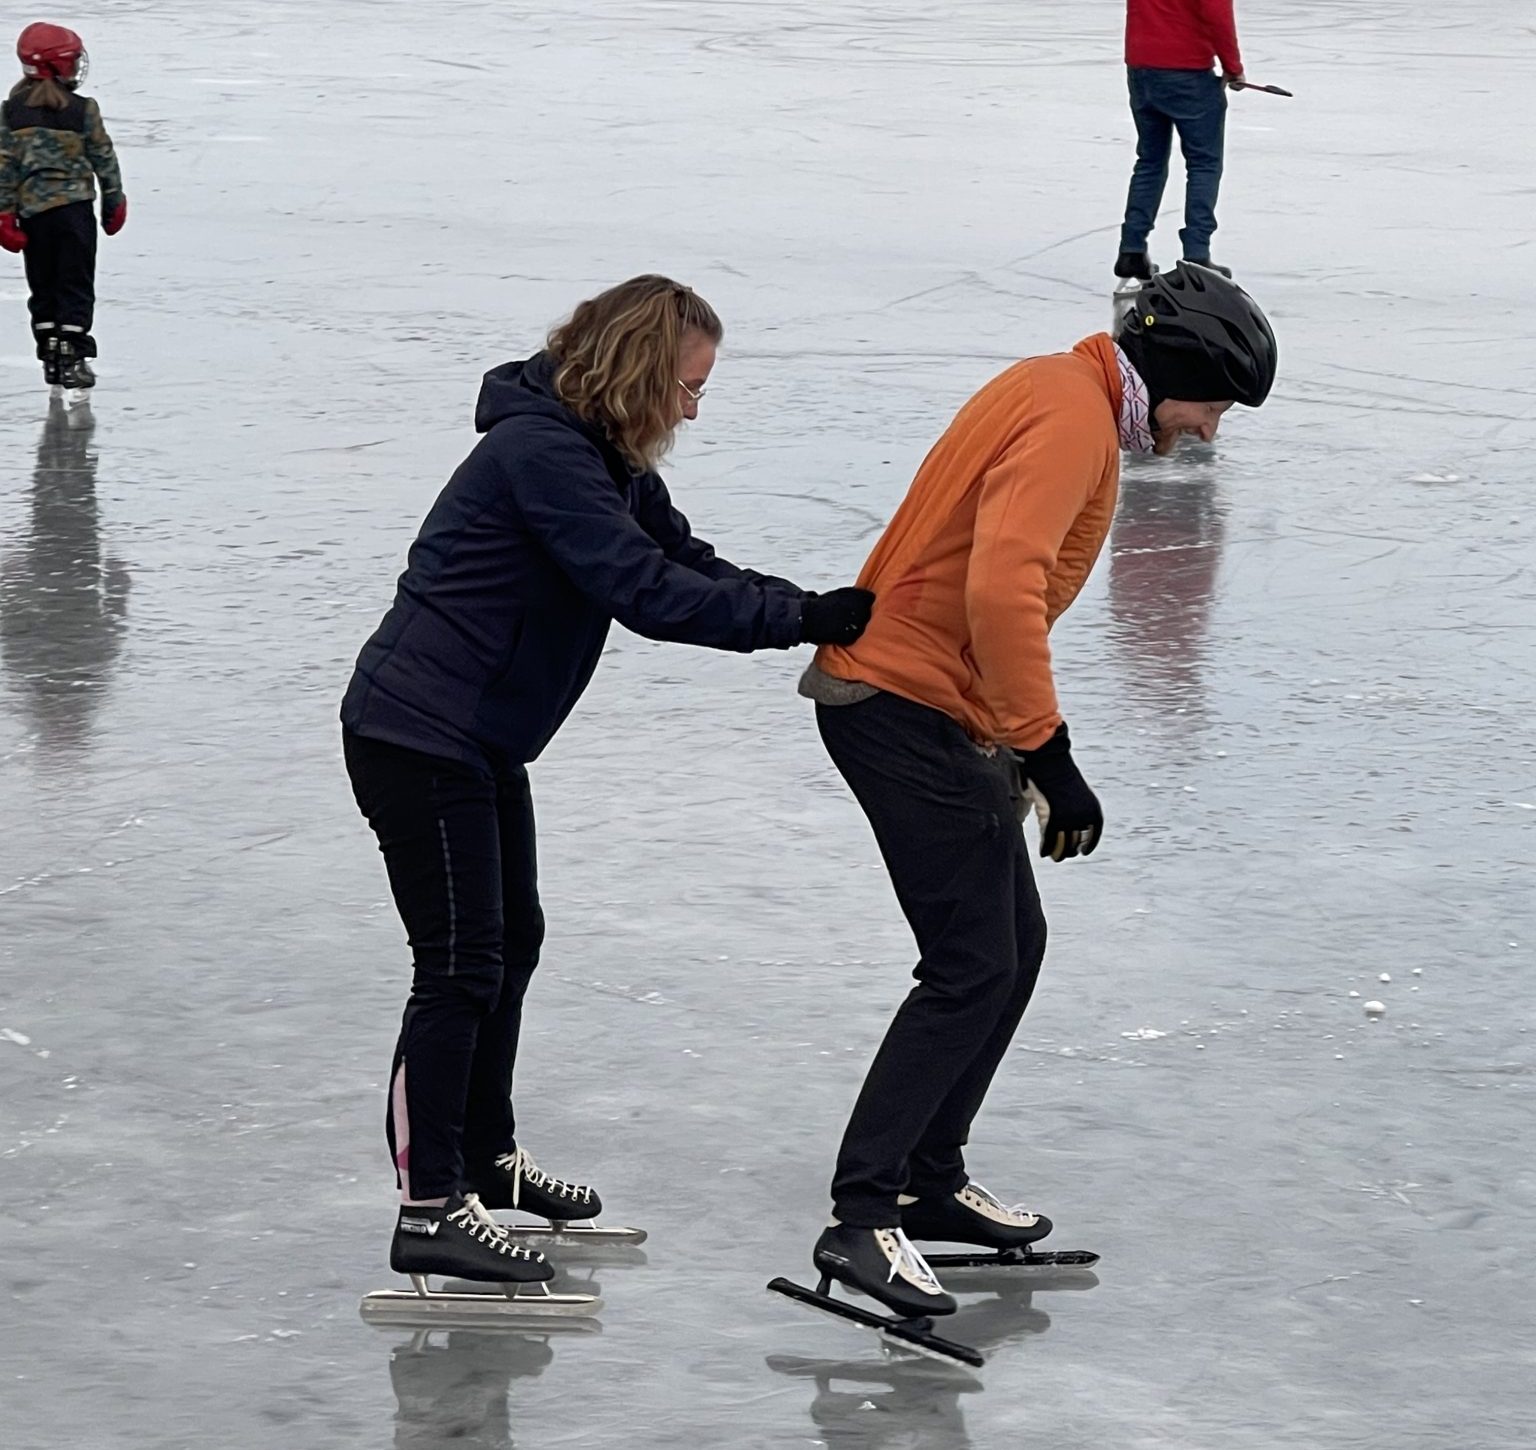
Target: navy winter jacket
(541, 538)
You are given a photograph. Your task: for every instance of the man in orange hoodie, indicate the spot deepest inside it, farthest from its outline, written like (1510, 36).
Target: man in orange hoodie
(943, 720)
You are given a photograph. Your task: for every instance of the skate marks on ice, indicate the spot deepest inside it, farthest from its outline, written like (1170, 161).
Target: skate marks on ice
(982, 35)
(971, 34)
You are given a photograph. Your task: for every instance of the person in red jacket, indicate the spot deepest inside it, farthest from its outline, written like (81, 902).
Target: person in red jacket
(1170, 47)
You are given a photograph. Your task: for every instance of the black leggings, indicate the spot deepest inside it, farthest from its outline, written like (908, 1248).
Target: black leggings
(61, 266)
(458, 844)
(943, 816)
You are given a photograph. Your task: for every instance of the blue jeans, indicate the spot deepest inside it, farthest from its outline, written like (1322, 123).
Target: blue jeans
(1193, 102)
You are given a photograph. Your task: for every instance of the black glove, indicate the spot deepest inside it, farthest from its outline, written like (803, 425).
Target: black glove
(1071, 819)
(835, 618)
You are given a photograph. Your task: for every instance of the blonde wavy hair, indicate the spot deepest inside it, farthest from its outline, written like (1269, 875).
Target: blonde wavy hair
(617, 359)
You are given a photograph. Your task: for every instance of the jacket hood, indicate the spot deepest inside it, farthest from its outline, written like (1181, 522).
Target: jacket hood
(518, 389)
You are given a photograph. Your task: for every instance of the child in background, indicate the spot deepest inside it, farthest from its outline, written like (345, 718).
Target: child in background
(53, 146)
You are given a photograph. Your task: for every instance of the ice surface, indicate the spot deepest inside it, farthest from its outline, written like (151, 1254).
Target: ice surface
(1301, 679)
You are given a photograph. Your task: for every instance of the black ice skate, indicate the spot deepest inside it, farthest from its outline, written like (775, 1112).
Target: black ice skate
(974, 1216)
(515, 1183)
(48, 355)
(71, 352)
(882, 1263)
(1133, 269)
(462, 1239)
(1134, 266)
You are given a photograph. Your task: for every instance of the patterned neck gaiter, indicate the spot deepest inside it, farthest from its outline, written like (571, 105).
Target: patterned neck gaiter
(1135, 421)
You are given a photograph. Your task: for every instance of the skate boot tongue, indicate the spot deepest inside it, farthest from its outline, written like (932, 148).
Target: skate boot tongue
(906, 1261)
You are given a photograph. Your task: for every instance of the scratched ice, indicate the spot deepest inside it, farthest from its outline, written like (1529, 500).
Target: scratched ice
(1301, 679)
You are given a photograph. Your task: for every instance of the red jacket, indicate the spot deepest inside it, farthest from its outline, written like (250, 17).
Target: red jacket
(1181, 35)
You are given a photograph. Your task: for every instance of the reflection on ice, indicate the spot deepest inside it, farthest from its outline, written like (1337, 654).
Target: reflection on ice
(894, 1399)
(456, 1387)
(1165, 557)
(885, 1403)
(63, 597)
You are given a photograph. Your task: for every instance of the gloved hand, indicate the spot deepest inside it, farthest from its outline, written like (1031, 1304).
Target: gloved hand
(112, 221)
(1071, 819)
(835, 618)
(12, 238)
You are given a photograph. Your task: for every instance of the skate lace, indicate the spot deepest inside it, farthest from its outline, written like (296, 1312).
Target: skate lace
(906, 1261)
(521, 1165)
(1017, 1210)
(473, 1218)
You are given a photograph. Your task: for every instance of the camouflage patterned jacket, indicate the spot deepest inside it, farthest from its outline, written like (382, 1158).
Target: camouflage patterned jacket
(51, 158)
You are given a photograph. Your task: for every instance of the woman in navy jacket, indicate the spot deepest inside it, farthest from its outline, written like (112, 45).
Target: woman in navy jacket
(555, 525)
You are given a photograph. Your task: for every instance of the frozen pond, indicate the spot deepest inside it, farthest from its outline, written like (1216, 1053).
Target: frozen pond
(1301, 680)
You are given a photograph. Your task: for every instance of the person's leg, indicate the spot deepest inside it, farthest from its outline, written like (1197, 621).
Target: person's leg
(941, 816)
(41, 261)
(1199, 109)
(938, 1163)
(1154, 145)
(76, 286)
(489, 1124)
(437, 827)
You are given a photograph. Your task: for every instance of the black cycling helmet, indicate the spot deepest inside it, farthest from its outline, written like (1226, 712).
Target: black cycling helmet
(1196, 335)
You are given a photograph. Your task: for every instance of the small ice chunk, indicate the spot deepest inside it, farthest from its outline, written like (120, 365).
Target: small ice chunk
(19, 1038)
(1354, 994)
(1375, 1009)
(1385, 977)
(1144, 1034)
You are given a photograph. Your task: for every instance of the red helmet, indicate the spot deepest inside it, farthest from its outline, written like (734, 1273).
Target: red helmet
(50, 52)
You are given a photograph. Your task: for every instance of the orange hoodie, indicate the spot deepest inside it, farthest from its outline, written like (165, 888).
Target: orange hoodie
(993, 541)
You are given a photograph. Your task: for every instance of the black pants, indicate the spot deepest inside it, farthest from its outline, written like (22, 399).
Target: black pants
(943, 817)
(458, 845)
(61, 265)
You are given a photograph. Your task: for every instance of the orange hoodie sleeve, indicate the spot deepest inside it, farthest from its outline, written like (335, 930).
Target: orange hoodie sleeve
(1031, 499)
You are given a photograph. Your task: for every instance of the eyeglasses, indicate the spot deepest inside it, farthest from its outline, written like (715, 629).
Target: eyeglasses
(694, 394)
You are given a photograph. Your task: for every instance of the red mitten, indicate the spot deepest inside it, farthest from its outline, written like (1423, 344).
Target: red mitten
(12, 238)
(112, 222)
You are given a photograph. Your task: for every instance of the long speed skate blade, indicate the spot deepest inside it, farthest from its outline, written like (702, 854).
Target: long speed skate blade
(573, 1235)
(406, 1307)
(1014, 1259)
(907, 1333)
